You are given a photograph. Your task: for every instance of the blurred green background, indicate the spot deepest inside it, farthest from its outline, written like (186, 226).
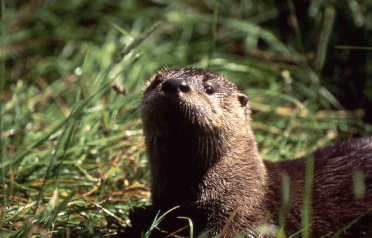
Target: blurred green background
(72, 151)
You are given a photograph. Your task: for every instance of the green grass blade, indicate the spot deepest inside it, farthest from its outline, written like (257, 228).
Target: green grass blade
(213, 32)
(59, 209)
(190, 224)
(157, 221)
(308, 184)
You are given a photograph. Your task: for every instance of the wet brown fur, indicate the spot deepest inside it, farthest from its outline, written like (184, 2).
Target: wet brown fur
(203, 157)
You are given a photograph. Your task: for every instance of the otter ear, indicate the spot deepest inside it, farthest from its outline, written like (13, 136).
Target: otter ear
(243, 99)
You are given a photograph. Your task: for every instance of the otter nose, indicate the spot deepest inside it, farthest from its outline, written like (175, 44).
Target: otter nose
(175, 85)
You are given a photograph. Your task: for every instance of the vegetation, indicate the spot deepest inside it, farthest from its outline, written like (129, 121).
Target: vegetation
(73, 161)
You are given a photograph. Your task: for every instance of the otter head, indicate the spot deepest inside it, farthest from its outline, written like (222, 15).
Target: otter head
(183, 101)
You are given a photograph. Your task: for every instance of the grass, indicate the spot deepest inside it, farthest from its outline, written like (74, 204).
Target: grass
(73, 160)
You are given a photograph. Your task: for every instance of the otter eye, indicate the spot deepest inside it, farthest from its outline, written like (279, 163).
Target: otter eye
(209, 90)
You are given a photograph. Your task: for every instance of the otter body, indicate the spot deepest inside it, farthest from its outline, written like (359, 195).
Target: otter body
(203, 157)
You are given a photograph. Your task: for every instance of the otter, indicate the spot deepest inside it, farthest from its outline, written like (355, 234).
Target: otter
(203, 157)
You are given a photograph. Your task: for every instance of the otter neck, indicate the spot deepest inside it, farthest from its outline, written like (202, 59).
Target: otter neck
(182, 164)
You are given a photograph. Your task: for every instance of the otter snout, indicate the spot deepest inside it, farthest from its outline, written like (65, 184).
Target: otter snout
(175, 85)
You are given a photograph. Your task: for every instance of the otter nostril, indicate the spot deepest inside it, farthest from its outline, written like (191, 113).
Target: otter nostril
(175, 85)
